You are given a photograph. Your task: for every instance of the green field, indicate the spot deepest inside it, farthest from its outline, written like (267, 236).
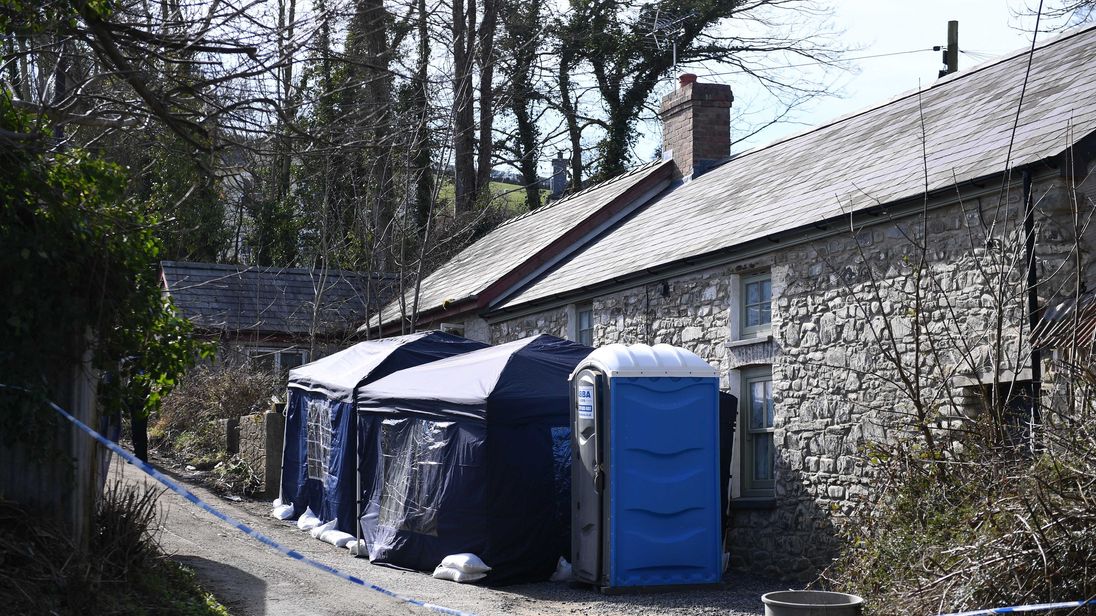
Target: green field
(513, 194)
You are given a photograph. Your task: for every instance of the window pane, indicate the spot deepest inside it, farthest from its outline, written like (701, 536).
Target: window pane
(753, 293)
(263, 360)
(768, 404)
(586, 336)
(766, 291)
(585, 329)
(757, 404)
(585, 319)
(753, 316)
(763, 457)
(766, 314)
(291, 360)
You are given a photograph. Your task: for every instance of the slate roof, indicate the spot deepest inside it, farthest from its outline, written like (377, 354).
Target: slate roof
(232, 298)
(853, 163)
(518, 240)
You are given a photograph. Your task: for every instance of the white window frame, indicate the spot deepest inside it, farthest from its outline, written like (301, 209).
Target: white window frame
(748, 486)
(761, 329)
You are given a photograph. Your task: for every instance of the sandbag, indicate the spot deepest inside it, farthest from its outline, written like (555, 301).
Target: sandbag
(308, 520)
(336, 537)
(281, 511)
(465, 563)
(455, 575)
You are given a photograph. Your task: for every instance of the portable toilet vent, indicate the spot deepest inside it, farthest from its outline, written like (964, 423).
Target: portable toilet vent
(645, 468)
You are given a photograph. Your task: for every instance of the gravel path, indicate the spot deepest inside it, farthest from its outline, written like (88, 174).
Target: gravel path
(253, 580)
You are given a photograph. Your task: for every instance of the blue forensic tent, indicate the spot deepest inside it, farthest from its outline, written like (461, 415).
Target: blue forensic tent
(471, 454)
(320, 442)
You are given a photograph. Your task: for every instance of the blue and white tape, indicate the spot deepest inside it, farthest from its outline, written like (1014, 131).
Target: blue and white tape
(1016, 609)
(244, 528)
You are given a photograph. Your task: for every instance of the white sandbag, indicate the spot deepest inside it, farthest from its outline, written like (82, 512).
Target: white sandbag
(357, 548)
(282, 512)
(562, 572)
(336, 538)
(455, 575)
(308, 520)
(316, 531)
(465, 563)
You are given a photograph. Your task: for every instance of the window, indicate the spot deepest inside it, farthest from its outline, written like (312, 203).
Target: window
(414, 453)
(289, 360)
(584, 333)
(457, 329)
(318, 438)
(757, 295)
(277, 360)
(757, 433)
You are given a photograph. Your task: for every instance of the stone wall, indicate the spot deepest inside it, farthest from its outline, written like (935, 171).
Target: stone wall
(851, 315)
(554, 322)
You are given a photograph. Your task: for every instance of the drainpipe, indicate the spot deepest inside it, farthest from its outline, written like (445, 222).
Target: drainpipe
(1032, 296)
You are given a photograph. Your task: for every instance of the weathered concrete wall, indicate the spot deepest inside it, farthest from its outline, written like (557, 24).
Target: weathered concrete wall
(851, 314)
(476, 329)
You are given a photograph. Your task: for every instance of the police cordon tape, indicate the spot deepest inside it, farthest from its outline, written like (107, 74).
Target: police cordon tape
(240, 526)
(1016, 609)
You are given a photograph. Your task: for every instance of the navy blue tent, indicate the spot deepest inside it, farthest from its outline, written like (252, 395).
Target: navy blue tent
(318, 458)
(471, 454)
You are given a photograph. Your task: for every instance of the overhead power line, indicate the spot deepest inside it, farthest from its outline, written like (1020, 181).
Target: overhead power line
(873, 56)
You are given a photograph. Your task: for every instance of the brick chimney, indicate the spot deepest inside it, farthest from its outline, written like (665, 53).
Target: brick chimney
(696, 125)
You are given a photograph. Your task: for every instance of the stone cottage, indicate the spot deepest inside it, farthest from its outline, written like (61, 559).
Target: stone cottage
(853, 283)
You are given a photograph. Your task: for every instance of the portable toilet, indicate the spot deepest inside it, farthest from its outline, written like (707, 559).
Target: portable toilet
(645, 495)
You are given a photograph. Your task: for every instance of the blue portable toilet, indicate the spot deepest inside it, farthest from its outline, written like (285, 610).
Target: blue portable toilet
(645, 495)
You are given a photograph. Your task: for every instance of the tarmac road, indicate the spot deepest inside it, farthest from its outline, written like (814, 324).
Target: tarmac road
(254, 580)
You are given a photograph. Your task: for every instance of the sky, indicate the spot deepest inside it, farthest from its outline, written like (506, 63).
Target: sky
(907, 28)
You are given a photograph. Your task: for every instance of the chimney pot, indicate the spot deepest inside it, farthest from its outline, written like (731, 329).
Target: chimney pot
(686, 79)
(558, 183)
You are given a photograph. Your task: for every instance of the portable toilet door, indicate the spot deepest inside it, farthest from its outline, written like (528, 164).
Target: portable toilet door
(645, 504)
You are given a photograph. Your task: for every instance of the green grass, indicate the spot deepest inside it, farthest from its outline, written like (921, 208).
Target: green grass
(165, 588)
(513, 194)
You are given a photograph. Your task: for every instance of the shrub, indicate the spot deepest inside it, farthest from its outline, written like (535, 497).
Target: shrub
(186, 424)
(991, 526)
(42, 572)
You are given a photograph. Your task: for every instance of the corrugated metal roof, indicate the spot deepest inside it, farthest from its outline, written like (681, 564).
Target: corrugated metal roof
(1069, 320)
(855, 163)
(515, 242)
(234, 298)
